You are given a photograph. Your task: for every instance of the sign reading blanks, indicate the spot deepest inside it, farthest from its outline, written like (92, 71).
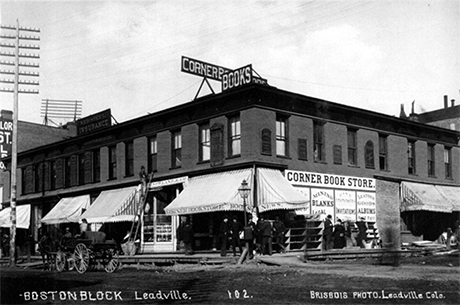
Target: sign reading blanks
(228, 77)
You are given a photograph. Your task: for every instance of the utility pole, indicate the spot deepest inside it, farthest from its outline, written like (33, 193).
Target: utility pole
(16, 90)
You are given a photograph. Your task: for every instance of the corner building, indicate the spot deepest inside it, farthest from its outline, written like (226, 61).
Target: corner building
(303, 158)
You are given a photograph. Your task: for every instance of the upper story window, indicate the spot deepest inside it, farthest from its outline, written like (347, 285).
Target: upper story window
(67, 171)
(411, 157)
(81, 169)
(205, 143)
(176, 149)
(352, 147)
(383, 152)
(53, 174)
(129, 159)
(448, 161)
(234, 135)
(153, 152)
(38, 177)
(96, 165)
(318, 138)
(281, 136)
(113, 162)
(431, 159)
(369, 154)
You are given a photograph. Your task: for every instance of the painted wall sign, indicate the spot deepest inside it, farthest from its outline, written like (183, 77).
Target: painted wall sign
(94, 122)
(328, 180)
(201, 68)
(345, 205)
(178, 180)
(322, 202)
(365, 205)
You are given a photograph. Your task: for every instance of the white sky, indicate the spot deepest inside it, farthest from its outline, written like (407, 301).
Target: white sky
(126, 56)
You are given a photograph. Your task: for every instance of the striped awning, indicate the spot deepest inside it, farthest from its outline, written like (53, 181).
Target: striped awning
(113, 206)
(22, 217)
(429, 197)
(211, 193)
(274, 192)
(67, 210)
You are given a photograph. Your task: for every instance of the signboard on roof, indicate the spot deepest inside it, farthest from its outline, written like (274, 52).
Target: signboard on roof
(94, 122)
(201, 68)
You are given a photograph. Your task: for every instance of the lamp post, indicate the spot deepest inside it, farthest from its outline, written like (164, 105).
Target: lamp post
(244, 191)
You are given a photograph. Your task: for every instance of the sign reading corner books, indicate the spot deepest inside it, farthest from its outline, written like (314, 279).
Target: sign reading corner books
(343, 197)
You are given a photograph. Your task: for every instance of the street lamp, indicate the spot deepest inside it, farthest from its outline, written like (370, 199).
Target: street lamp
(244, 191)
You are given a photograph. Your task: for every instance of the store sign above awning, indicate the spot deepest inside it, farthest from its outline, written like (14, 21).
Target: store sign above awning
(330, 181)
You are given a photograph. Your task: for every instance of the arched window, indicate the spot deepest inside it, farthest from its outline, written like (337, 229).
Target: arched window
(369, 154)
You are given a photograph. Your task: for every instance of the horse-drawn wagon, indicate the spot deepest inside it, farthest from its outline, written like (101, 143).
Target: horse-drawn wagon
(86, 251)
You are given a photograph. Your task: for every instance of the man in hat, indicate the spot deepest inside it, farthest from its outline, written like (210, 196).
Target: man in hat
(362, 234)
(235, 229)
(327, 233)
(224, 232)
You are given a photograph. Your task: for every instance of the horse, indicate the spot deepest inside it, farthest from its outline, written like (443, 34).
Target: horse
(47, 248)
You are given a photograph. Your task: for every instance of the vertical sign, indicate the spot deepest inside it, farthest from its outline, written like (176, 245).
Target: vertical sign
(6, 140)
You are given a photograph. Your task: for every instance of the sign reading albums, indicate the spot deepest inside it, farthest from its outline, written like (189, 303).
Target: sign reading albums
(343, 197)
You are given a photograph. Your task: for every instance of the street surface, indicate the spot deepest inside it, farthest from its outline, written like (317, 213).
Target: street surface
(421, 280)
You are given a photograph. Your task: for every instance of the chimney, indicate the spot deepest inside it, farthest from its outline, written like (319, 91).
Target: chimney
(445, 101)
(402, 113)
(452, 101)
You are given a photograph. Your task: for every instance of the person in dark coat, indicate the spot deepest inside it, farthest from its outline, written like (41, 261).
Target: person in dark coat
(278, 232)
(224, 234)
(362, 234)
(266, 232)
(339, 235)
(187, 237)
(249, 236)
(327, 233)
(235, 229)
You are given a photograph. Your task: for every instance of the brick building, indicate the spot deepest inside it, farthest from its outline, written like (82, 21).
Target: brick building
(303, 158)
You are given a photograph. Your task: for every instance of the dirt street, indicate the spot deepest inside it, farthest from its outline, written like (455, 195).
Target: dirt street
(421, 280)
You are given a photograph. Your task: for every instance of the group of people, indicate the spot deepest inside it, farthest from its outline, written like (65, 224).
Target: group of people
(339, 235)
(258, 237)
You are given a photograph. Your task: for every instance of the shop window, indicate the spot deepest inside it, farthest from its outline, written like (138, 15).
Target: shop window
(205, 143)
(282, 143)
(302, 149)
(369, 154)
(129, 159)
(266, 136)
(337, 154)
(234, 136)
(318, 138)
(448, 162)
(431, 160)
(383, 152)
(153, 153)
(112, 162)
(411, 157)
(217, 144)
(352, 147)
(176, 153)
(96, 171)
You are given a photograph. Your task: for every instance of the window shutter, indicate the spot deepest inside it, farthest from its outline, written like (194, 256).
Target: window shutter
(266, 137)
(302, 147)
(217, 145)
(337, 154)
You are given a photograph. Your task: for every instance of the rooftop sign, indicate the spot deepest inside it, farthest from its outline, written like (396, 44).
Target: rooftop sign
(94, 122)
(201, 68)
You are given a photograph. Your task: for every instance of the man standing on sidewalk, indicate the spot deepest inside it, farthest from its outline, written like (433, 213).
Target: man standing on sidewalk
(327, 233)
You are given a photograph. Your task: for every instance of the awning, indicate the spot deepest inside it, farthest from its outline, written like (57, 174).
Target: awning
(67, 210)
(211, 193)
(423, 197)
(22, 217)
(452, 194)
(113, 206)
(274, 192)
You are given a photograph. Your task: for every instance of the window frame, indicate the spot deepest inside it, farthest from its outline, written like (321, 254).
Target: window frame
(448, 162)
(129, 158)
(96, 165)
(431, 160)
(234, 136)
(204, 142)
(152, 151)
(411, 157)
(176, 149)
(282, 136)
(112, 162)
(383, 152)
(352, 146)
(319, 152)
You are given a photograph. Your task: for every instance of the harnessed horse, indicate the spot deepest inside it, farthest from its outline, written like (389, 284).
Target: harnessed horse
(47, 248)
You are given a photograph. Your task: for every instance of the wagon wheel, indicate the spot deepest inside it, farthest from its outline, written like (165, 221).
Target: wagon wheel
(112, 260)
(81, 255)
(60, 261)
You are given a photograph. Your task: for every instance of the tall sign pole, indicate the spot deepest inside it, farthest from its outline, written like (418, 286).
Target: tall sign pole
(14, 153)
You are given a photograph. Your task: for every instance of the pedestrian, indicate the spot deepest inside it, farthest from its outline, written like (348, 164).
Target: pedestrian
(327, 232)
(362, 233)
(339, 235)
(249, 235)
(235, 229)
(278, 232)
(224, 231)
(5, 245)
(266, 232)
(84, 227)
(67, 233)
(187, 237)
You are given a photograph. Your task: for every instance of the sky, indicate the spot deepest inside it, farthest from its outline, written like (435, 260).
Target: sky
(126, 56)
